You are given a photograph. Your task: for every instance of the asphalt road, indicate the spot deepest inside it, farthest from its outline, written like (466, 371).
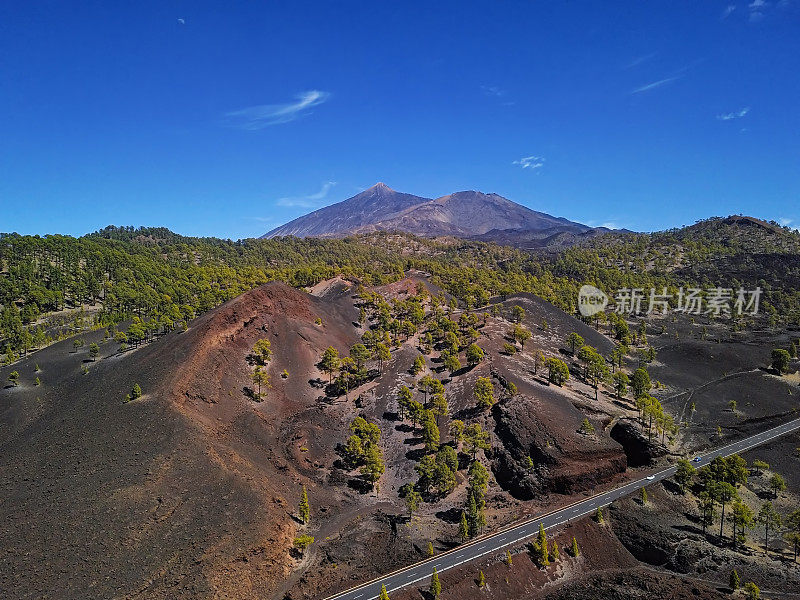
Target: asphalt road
(515, 534)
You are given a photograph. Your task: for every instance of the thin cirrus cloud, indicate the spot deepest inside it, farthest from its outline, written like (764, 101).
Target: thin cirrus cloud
(639, 60)
(737, 114)
(309, 201)
(654, 85)
(532, 163)
(493, 90)
(757, 8)
(258, 117)
(606, 224)
(754, 10)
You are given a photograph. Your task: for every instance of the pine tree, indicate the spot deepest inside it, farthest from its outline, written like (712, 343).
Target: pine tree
(463, 527)
(330, 362)
(484, 392)
(430, 549)
(509, 561)
(751, 591)
(261, 379)
(644, 496)
(304, 508)
(481, 580)
(384, 594)
(575, 551)
(555, 552)
(136, 392)
(436, 586)
(544, 555)
(599, 516)
(735, 582)
(472, 514)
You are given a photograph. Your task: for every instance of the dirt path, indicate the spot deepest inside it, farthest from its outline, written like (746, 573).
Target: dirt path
(692, 391)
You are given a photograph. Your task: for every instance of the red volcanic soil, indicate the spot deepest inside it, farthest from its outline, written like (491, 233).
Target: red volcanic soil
(186, 492)
(190, 491)
(604, 569)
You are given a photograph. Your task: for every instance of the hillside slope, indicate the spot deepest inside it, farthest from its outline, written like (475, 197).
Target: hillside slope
(374, 205)
(186, 492)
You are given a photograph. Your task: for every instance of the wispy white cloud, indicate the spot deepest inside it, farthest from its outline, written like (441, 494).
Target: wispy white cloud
(757, 8)
(654, 85)
(309, 201)
(639, 60)
(737, 114)
(264, 115)
(606, 224)
(497, 92)
(530, 162)
(791, 223)
(493, 90)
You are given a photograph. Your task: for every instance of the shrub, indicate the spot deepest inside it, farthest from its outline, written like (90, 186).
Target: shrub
(302, 542)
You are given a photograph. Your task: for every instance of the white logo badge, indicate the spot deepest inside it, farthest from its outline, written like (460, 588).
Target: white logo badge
(591, 301)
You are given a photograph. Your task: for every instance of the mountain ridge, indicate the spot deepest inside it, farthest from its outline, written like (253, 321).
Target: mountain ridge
(375, 203)
(468, 214)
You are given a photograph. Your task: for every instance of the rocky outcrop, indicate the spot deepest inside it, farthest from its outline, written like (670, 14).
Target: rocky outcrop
(561, 460)
(638, 448)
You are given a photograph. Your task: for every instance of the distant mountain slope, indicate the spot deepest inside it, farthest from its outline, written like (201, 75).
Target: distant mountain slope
(471, 213)
(371, 206)
(553, 238)
(467, 214)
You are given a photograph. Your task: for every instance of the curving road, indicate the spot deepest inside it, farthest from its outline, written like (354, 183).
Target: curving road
(515, 534)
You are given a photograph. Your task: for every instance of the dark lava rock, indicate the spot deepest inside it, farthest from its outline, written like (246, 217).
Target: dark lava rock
(564, 461)
(639, 450)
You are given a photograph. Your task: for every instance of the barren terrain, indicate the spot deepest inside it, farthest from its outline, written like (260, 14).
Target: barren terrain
(192, 489)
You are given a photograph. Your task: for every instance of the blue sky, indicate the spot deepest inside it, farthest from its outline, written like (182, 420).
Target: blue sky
(228, 119)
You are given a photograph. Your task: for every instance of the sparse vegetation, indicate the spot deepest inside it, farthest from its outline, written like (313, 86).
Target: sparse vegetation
(734, 582)
(558, 371)
(781, 359)
(428, 337)
(484, 392)
(435, 588)
(751, 590)
(302, 542)
(304, 508)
